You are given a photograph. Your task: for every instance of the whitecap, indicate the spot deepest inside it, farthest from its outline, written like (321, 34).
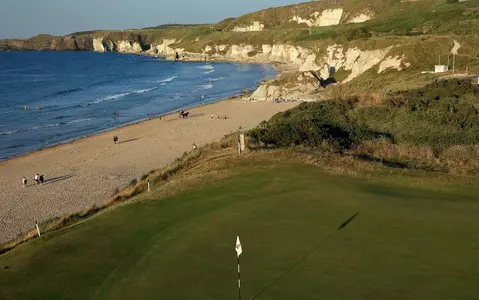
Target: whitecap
(209, 72)
(8, 132)
(107, 98)
(80, 120)
(43, 126)
(145, 90)
(206, 67)
(207, 86)
(114, 97)
(216, 79)
(165, 81)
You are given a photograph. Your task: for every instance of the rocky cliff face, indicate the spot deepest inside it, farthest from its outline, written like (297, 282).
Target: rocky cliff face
(327, 17)
(44, 43)
(255, 26)
(128, 44)
(354, 60)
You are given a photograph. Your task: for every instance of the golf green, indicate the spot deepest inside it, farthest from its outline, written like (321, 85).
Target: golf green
(406, 243)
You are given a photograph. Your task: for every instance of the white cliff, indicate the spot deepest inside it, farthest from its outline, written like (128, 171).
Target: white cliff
(98, 45)
(456, 47)
(361, 18)
(128, 47)
(355, 60)
(164, 48)
(240, 52)
(391, 62)
(255, 26)
(327, 17)
(303, 87)
(102, 45)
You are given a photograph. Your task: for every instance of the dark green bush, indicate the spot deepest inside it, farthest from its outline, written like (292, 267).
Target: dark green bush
(312, 124)
(441, 114)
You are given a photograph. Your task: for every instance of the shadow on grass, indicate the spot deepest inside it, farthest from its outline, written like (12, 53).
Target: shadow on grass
(398, 165)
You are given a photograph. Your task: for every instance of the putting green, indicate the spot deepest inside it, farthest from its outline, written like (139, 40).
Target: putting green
(406, 243)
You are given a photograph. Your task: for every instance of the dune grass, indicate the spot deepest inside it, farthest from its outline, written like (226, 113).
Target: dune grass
(407, 242)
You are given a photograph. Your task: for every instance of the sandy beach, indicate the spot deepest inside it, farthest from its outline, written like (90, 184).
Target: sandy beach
(87, 171)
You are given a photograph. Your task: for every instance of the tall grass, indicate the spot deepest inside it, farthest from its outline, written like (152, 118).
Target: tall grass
(416, 127)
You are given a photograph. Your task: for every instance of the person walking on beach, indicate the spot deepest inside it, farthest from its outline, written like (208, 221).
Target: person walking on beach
(115, 139)
(37, 177)
(41, 179)
(24, 181)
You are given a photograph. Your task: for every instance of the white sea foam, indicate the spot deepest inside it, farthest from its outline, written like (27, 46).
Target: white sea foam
(43, 127)
(206, 67)
(80, 121)
(30, 129)
(207, 86)
(165, 81)
(8, 132)
(209, 72)
(107, 98)
(216, 79)
(145, 90)
(114, 97)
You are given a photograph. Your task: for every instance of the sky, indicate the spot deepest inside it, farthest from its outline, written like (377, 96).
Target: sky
(26, 18)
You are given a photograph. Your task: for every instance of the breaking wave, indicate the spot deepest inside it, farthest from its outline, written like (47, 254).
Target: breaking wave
(34, 128)
(145, 90)
(165, 81)
(206, 67)
(216, 79)
(107, 98)
(207, 86)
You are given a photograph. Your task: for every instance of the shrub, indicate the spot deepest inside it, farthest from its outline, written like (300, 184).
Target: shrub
(313, 124)
(439, 115)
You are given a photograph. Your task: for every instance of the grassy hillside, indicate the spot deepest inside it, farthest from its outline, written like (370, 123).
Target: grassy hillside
(440, 120)
(414, 242)
(388, 17)
(420, 31)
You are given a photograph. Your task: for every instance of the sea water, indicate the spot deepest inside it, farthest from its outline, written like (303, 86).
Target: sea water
(77, 93)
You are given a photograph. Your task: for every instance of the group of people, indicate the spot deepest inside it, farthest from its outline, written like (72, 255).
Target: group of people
(279, 100)
(39, 179)
(219, 117)
(184, 114)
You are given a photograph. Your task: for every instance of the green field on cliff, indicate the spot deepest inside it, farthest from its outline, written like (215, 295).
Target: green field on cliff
(409, 241)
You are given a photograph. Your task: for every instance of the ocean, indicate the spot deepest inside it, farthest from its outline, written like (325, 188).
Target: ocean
(77, 93)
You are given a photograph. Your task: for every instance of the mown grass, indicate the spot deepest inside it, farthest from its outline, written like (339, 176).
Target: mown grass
(415, 242)
(157, 177)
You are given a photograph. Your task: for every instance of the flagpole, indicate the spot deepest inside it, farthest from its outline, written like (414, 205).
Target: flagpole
(239, 279)
(239, 250)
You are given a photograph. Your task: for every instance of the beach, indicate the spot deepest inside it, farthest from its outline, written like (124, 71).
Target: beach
(87, 171)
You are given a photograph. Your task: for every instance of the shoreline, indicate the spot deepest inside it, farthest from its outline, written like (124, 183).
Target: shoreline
(76, 139)
(86, 171)
(279, 68)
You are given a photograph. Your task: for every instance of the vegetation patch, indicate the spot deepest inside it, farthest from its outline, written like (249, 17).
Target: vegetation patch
(434, 119)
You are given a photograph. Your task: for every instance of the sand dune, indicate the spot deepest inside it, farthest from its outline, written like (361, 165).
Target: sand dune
(87, 171)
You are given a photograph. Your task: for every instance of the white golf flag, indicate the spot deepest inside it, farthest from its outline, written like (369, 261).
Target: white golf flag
(238, 249)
